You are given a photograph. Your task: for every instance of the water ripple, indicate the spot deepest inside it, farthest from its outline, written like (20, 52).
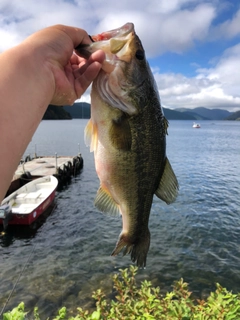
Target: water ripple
(196, 238)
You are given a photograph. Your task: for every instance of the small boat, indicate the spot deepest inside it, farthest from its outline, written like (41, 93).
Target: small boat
(196, 125)
(25, 205)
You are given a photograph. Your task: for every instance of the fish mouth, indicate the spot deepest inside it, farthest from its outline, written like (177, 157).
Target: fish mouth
(115, 33)
(111, 83)
(115, 44)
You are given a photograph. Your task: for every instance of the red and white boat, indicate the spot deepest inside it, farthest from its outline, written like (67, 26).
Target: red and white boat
(25, 205)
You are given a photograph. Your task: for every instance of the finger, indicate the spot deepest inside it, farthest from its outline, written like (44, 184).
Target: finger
(77, 35)
(98, 56)
(84, 80)
(75, 59)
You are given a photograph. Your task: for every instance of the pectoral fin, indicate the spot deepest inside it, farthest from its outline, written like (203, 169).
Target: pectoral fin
(168, 186)
(91, 135)
(120, 133)
(105, 203)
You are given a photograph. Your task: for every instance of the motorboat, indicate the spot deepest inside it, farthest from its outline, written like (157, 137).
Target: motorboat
(26, 204)
(196, 125)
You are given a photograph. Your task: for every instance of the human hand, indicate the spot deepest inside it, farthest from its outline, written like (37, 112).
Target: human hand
(71, 74)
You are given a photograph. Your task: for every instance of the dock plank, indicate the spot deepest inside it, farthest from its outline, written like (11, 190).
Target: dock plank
(42, 166)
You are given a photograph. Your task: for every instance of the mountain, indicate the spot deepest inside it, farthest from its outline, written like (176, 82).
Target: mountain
(56, 113)
(79, 110)
(234, 116)
(191, 113)
(202, 113)
(176, 115)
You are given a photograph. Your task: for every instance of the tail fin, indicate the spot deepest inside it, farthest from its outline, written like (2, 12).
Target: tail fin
(138, 248)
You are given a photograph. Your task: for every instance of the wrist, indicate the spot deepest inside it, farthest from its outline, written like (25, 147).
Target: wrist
(37, 78)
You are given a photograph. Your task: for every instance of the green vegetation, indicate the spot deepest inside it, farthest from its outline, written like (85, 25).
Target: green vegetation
(79, 110)
(56, 113)
(145, 302)
(234, 116)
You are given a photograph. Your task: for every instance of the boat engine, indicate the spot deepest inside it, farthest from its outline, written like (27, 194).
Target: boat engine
(5, 214)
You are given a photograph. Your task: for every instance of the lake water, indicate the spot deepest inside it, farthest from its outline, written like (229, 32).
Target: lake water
(197, 237)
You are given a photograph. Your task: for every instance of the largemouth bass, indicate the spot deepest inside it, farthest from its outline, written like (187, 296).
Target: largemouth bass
(127, 132)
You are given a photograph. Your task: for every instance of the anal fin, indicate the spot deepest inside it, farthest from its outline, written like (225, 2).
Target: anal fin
(168, 186)
(105, 203)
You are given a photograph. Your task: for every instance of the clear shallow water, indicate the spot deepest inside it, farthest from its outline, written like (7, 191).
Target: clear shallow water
(196, 238)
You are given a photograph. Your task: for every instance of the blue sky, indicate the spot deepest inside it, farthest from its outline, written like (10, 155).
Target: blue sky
(192, 46)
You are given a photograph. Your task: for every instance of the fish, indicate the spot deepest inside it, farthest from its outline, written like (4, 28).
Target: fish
(127, 133)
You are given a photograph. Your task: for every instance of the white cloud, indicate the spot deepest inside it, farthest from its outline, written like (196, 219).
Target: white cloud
(18, 19)
(226, 71)
(86, 96)
(160, 31)
(216, 87)
(173, 26)
(178, 31)
(227, 29)
(167, 7)
(163, 26)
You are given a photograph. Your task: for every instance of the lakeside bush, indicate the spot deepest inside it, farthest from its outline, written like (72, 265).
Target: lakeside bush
(145, 302)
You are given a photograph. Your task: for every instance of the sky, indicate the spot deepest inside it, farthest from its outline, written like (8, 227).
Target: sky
(193, 46)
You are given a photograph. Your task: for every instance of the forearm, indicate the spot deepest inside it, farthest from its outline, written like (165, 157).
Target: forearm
(26, 89)
(40, 71)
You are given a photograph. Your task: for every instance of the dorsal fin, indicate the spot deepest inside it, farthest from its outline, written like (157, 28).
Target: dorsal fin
(105, 203)
(168, 186)
(165, 125)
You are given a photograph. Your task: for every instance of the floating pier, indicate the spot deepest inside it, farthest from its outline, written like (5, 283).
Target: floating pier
(62, 167)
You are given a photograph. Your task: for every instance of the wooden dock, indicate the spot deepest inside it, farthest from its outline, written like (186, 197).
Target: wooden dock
(62, 167)
(43, 166)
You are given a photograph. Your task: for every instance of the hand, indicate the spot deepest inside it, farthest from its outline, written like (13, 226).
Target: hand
(41, 70)
(70, 73)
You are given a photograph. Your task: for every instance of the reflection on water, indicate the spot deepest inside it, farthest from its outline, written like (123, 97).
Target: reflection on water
(196, 238)
(22, 232)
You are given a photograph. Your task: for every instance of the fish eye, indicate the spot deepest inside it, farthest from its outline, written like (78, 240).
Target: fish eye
(139, 54)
